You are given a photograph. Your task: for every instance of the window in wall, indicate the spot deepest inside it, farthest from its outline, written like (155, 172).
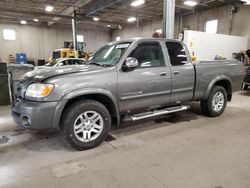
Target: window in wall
(118, 38)
(9, 34)
(211, 26)
(80, 38)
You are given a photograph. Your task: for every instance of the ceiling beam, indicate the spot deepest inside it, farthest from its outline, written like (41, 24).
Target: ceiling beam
(69, 10)
(30, 12)
(102, 4)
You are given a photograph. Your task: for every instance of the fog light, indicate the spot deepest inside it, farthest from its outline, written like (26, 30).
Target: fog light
(26, 121)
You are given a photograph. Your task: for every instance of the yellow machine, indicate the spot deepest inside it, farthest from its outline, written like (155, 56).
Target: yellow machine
(68, 51)
(65, 53)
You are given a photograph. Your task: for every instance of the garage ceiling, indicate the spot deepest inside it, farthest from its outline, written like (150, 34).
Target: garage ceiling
(110, 12)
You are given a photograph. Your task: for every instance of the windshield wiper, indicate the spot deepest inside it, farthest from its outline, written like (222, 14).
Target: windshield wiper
(100, 64)
(95, 63)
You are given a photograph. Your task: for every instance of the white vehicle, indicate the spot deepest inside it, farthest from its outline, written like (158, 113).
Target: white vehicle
(65, 61)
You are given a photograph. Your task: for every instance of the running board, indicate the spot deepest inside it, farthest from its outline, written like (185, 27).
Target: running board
(150, 114)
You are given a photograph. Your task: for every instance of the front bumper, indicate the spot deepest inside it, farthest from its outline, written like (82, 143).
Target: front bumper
(34, 115)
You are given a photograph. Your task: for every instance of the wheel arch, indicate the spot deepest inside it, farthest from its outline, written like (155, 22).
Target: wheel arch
(222, 81)
(104, 97)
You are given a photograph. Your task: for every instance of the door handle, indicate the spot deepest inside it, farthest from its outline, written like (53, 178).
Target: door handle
(164, 74)
(176, 72)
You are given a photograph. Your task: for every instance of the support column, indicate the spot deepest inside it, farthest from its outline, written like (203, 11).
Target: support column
(74, 30)
(168, 18)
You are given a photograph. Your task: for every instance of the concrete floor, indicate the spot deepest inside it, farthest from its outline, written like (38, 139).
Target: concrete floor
(186, 150)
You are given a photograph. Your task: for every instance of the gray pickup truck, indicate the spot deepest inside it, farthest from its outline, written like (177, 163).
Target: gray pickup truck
(123, 81)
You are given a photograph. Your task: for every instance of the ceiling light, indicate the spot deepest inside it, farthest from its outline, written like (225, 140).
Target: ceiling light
(131, 19)
(137, 3)
(23, 22)
(96, 19)
(190, 3)
(35, 20)
(49, 8)
(108, 25)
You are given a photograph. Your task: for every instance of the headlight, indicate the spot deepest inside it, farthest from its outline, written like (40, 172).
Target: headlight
(39, 90)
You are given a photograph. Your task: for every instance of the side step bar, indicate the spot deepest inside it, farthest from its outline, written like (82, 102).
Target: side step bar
(150, 114)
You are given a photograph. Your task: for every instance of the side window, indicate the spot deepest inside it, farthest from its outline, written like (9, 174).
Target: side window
(148, 55)
(78, 62)
(65, 62)
(176, 53)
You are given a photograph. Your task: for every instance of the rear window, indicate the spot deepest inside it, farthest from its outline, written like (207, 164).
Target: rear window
(176, 53)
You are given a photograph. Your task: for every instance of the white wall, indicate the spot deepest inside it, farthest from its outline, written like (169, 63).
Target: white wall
(206, 46)
(39, 42)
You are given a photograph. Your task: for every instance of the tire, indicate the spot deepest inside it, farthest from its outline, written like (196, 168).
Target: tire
(216, 103)
(85, 124)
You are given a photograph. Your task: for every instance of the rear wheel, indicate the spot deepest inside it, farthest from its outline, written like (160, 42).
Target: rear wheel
(216, 103)
(85, 124)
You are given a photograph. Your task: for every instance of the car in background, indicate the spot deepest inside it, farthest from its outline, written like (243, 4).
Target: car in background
(65, 61)
(246, 82)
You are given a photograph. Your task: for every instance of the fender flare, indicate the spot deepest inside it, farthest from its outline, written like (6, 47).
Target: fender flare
(83, 92)
(214, 81)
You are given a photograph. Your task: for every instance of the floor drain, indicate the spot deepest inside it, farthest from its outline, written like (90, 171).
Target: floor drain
(110, 138)
(4, 139)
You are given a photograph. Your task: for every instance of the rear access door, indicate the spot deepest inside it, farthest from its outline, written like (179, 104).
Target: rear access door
(183, 74)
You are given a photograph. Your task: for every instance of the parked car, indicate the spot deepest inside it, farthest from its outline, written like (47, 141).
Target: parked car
(65, 61)
(246, 82)
(123, 81)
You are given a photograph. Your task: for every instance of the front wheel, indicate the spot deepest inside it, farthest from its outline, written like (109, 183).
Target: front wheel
(216, 103)
(85, 124)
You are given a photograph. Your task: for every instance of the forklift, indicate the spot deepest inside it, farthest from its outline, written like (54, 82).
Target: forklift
(68, 51)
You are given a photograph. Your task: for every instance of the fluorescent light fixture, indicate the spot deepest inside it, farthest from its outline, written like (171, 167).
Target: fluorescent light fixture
(131, 19)
(137, 3)
(211, 26)
(23, 22)
(9, 34)
(118, 38)
(190, 3)
(35, 20)
(108, 25)
(96, 19)
(80, 38)
(49, 8)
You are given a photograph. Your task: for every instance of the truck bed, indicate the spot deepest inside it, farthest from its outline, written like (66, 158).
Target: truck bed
(231, 69)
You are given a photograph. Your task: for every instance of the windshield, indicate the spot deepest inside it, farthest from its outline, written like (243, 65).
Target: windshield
(108, 55)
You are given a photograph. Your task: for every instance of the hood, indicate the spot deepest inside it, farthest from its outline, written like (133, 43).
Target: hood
(38, 75)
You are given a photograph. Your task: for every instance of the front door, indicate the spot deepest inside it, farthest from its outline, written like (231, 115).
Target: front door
(147, 86)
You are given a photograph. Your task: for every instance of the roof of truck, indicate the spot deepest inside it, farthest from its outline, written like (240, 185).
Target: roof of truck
(143, 39)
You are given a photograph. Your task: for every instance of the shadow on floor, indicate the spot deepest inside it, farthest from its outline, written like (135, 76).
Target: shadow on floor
(51, 140)
(130, 128)
(245, 93)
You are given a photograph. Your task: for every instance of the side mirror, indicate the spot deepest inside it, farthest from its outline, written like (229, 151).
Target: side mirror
(130, 64)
